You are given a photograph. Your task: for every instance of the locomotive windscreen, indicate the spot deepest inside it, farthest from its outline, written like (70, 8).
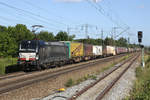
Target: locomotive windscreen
(28, 45)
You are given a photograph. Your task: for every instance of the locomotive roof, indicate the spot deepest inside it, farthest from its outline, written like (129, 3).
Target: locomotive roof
(41, 42)
(54, 43)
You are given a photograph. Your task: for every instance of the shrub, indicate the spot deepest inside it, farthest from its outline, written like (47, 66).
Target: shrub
(69, 83)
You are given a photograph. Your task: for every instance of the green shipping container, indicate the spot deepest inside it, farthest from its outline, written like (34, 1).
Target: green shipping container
(68, 44)
(75, 49)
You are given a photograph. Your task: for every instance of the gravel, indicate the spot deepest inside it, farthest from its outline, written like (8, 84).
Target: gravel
(72, 90)
(118, 92)
(93, 92)
(45, 88)
(69, 91)
(123, 87)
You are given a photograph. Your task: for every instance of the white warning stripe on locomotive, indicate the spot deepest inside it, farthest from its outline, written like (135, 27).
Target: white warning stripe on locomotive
(27, 56)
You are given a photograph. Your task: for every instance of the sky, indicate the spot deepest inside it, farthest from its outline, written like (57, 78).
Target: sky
(77, 16)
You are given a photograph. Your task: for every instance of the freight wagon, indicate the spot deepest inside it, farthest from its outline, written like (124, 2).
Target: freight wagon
(37, 54)
(76, 51)
(88, 51)
(120, 50)
(97, 51)
(109, 51)
(130, 50)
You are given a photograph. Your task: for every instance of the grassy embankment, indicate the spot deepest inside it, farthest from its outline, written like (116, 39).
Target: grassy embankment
(141, 89)
(4, 62)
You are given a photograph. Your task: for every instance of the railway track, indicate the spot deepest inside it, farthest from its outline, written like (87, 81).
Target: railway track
(102, 84)
(19, 74)
(12, 75)
(24, 81)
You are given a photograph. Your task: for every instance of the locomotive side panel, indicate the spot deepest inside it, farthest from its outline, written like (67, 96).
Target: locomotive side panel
(53, 53)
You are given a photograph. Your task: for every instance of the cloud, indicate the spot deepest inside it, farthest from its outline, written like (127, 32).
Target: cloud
(75, 0)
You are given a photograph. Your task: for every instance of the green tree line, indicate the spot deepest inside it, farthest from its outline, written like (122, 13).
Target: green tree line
(11, 36)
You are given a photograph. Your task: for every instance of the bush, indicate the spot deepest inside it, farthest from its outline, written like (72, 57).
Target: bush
(69, 83)
(5, 62)
(141, 90)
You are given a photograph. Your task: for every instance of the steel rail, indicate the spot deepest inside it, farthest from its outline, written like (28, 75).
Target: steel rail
(44, 76)
(106, 90)
(93, 84)
(14, 75)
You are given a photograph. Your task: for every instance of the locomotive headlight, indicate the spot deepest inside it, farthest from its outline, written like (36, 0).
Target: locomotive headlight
(21, 55)
(37, 57)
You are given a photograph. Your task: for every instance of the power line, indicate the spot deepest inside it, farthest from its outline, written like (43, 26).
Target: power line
(47, 11)
(8, 20)
(100, 9)
(28, 12)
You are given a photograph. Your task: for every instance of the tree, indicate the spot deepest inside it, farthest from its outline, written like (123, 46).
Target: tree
(90, 41)
(7, 45)
(62, 36)
(109, 41)
(121, 42)
(3, 29)
(20, 32)
(71, 37)
(10, 38)
(46, 36)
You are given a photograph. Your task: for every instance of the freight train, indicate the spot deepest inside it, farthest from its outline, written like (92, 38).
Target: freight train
(38, 54)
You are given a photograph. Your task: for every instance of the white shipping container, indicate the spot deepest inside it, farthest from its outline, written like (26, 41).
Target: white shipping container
(111, 50)
(97, 50)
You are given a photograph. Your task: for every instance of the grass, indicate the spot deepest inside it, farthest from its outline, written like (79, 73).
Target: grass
(141, 89)
(113, 64)
(4, 62)
(69, 83)
(72, 82)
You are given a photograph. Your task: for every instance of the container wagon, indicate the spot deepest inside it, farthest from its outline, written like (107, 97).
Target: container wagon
(76, 52)
(109, 51)
(97, 51)
(120, 50)
(88, 51)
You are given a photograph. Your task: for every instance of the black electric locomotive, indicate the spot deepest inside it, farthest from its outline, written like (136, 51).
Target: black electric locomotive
(37, 54)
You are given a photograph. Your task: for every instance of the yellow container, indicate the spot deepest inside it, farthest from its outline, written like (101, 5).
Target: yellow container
(76, 49)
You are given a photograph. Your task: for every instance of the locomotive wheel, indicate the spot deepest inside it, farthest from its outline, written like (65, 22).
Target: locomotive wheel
(39, 67)
(59, 64)
(44, 66)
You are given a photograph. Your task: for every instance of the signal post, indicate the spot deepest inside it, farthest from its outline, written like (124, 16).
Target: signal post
(140, 36)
